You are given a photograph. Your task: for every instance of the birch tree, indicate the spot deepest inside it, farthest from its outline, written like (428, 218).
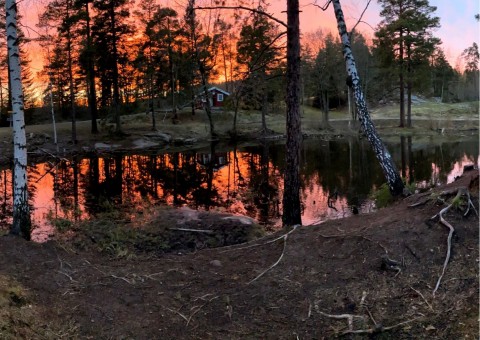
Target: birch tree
(390, 171)
(21, 211)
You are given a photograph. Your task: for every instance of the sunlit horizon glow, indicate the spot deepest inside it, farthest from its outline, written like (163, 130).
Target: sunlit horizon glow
(458, 30)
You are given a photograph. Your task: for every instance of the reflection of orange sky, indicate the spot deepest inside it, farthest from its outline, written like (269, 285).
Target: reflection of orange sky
(226, 182)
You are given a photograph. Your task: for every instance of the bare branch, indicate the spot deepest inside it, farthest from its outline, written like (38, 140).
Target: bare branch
(324, 7)
(360, 19)
(271, 17)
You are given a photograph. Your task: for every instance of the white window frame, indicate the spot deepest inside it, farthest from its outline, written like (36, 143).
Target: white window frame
(219, 97)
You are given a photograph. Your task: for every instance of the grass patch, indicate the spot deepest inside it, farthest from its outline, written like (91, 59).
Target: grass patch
(21, 319)
(382, 196)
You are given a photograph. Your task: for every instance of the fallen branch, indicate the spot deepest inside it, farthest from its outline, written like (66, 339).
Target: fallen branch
(234, 246)
(285, 237)
(349, 318)
(380, 328)
(193, 230)
(423, 297)
(177, 312)
(272, 266)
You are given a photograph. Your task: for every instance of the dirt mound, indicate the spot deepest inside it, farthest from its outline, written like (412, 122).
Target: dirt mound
(367, 276)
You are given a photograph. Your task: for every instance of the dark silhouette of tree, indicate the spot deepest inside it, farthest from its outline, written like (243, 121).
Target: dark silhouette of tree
(329, 76)
(292, 214)
(62, 14)
(471, 58)
(201, 46)
(257, 54)
(87, 59)
(109, 29)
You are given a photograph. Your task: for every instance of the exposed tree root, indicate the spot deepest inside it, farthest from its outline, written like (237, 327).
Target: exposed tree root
(456, 201)
(460, 192)
(378, 327)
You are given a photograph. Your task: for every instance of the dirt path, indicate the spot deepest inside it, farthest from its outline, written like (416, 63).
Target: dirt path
(316, 274)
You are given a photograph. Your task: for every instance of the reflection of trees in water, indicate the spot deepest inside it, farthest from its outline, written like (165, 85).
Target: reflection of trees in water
(65, 188)
(264, 200)
(6, 199)
(250, 180)
(340, 168)
(206, 194)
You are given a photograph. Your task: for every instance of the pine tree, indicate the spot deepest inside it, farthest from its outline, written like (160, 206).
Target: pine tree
(257, 54)
(329, 76)
(109, 31)
(406, 34)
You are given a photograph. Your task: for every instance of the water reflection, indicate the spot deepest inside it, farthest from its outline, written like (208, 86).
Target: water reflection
(337, 178)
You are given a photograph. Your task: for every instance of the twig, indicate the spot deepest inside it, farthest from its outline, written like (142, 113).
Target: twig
(272, 266)
(121, 278)
(349, 318)
(284, 236)
(259, 244)
(423, 297)
(360, 19)
(414, 205)
(198, 309)
(271, 17)
(177, 312)
(193, 230)
(52, 155)
(380, 329)
(71, 278)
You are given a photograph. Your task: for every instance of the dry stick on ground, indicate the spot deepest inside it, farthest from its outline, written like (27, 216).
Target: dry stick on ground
(381, 329)
(423, 297)
(205, 231)
(349, 318)
(235, 246)
(284, 236)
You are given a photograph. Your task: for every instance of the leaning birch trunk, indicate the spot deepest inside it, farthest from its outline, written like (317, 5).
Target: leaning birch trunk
(394, 180)
(21, 212)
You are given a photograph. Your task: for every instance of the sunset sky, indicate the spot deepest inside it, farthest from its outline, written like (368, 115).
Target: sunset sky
(458, 30)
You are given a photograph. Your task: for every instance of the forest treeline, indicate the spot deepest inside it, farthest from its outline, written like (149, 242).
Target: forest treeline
(107, 58)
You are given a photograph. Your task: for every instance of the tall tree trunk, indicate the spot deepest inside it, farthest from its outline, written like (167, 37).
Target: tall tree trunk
(116, 90)
(264, 104)
(92, 95)
(201, 65)
(171, 65)
(21, 211)
(385, 159)
(409, 86)
(291, 194)
(70, 80)
(402, 89)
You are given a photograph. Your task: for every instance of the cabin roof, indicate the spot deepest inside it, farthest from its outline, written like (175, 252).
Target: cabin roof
(213, 88)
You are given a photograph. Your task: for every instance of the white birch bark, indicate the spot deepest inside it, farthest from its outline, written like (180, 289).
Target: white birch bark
(21, 211)
(387, 164)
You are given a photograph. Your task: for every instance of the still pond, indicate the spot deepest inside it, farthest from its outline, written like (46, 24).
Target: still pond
(337, 177)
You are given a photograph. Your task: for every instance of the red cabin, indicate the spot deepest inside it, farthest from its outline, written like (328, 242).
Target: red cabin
(217, 97)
